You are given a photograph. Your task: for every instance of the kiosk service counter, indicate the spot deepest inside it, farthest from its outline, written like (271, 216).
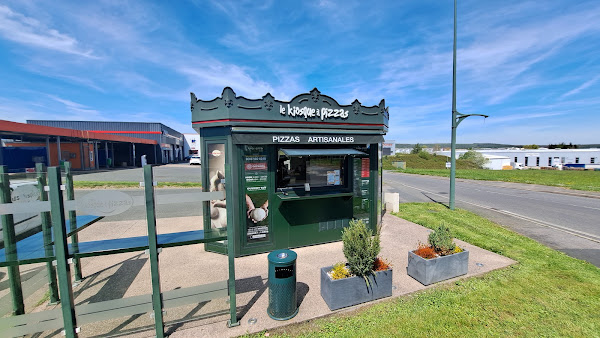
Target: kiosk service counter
(294, 173)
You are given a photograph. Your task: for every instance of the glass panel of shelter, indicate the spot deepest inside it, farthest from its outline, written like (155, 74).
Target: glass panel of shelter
(23, 260)
(193, 280)
(107, 250)
(112, 282)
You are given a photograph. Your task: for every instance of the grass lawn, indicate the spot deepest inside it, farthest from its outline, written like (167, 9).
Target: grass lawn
(573, 179)
(546, 294)
(117, 185)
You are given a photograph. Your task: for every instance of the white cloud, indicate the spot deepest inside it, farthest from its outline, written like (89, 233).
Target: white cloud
(31, 32)
(46, 107)
(519, 117)
(76, 108)
(583, 86)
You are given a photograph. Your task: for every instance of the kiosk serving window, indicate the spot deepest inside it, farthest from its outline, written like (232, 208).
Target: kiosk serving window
(317, 167)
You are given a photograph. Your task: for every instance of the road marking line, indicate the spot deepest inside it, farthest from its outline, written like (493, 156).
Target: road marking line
(577, 233)
(535, 199)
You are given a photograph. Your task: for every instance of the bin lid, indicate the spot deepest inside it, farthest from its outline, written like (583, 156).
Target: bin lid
(282, 256)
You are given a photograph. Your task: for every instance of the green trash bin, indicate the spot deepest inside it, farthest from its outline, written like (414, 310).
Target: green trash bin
(283, 303)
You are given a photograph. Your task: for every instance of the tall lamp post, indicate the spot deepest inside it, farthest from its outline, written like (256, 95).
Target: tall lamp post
(457, 118)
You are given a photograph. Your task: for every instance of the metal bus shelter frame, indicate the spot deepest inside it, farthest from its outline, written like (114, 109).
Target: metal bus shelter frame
(59, 256)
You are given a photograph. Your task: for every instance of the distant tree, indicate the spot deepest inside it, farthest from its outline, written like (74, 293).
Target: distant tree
(436, 147)
(531, 146)
(416, 149)
(562, 145)
(475, 157)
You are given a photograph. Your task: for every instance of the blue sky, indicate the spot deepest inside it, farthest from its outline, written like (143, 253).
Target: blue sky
(533, 66)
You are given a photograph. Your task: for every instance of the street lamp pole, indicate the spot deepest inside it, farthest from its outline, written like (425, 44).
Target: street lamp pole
(457, 118)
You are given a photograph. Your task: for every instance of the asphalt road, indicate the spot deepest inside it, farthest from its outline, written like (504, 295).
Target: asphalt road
(178, 172)
(169, 202)
(562, 219)
(165, 208)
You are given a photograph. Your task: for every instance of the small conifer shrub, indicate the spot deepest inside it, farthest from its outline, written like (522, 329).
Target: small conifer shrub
(361, 248)
(440, 243)
(441, 240)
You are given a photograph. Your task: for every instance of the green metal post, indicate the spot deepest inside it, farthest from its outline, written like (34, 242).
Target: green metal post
(157, 304)
(454, 124)
(47, 234)
(73, 222)
(10, 246)
(231, 250)
(457, 118)
(65, 287)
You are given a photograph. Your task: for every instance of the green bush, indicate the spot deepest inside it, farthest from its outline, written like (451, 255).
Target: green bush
(476, 157)
(415, 161)
(361, 247)
(441, 240)
(424, 155)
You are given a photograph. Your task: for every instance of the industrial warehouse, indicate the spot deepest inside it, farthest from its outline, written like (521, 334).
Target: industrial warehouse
(87, 145)
(538, 158)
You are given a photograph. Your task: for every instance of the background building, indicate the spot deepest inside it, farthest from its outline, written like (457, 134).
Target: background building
(169, 142)
(389, 147)
(23, 145)
(582, 158)
(191, 144)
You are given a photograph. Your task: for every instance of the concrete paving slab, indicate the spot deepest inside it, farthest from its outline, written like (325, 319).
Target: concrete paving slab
(398, 237)
(126, 275)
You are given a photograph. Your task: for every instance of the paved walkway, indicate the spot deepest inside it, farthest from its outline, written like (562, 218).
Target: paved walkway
(126, 275)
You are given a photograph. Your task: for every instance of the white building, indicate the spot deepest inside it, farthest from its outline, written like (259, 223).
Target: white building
(583, 158)
(496, 162)
(191, 145)
(389, 147)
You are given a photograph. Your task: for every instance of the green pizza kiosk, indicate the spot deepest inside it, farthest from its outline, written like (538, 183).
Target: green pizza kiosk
(294, 173)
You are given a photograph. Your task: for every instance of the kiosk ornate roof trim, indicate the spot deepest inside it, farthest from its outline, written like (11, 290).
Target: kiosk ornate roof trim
(308, 110)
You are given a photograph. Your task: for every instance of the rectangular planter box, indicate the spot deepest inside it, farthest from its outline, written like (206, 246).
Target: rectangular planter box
(428, 271)
(353, 290)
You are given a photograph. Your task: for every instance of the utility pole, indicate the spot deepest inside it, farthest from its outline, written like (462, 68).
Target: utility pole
(457, 118)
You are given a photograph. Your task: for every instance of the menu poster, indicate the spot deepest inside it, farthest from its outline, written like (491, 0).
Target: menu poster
(333, 177)
(365, 168)
(337, 180)
(257, 196)
(361, 200)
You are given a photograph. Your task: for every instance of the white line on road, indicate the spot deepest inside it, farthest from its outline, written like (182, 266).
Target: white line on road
(535, 199)
(577, 233)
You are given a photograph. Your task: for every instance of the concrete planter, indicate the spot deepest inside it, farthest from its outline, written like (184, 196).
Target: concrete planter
(353, 290)
(428, 271)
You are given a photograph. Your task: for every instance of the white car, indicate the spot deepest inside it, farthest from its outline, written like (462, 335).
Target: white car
(195, 160)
